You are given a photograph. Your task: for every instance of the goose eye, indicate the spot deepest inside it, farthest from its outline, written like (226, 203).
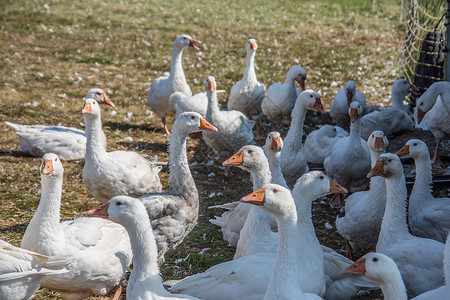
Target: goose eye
(275, 191)
(322, 177)
(389, 160)
(415, 144)
(192, 117)
(250, 151)
(311, 96)
(56, 159)
(118, 203)
(375, 259)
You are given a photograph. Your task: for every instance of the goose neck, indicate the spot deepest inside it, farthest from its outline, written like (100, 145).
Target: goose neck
(393, 287)
(422, 185)
(261, 175)
(274, 158)
(212, 110)
(397, 99)
(293, 140)
(250, 74)
(176, 67)
(355, 133)
(95, 146)
(48, 211)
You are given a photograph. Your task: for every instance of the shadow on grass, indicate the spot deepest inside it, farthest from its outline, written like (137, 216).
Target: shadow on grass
(19, 228)
(14, 154)
(132, 146)
(127, 126)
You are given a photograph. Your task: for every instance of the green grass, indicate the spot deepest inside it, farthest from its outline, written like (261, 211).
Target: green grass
(67, 47)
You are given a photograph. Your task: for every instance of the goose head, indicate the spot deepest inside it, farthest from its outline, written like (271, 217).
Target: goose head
(273, 198)
(350, 90)
(100, 96)
(247, 158)
(355, 111)
(51, 166)
(387, 165)
(251, 45)
(185, 41)
(91, 109)
(415, 148)
(274, 142)
(316, 184)
(401, 87)
(424, 104)
(298, 74)
(377, 141)
(311, 100)
(210, 85)
(189, 122)
(375, 266)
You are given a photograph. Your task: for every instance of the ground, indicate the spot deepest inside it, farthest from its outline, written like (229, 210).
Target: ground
(52, 53)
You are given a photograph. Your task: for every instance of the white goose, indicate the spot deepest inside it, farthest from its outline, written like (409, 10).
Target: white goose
(341, 103)
(293, 160)
(100, 250)
(349, 162)
(392, 119)
(247, 94)
(419, 259)
(319, 143)
(435, 103)
(108, 174)
(428, 217)
(280, 98)
(272, 150)
(234, 128)
(162, 87)
(197, 103)
(384, 271)
(145, 282)
(174, 212)
(69, 143)
(364, 210)
(21, 271)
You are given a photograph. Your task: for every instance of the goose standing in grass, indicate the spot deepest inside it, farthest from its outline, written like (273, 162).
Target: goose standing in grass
(341, 103)
(272, 150)
(145, 282)
(435, 103)
(21, 271)
(428, 217)
(69, 143)
(319, 143)
(418, 259)
(349, 162)
(364, 210)
(392, 119)
(100, 249)
(280, 98)
(247, 94)
(109, 174)
(234, 128)
(162, 87)
(174, 212)
(384, 271)
(293, 160)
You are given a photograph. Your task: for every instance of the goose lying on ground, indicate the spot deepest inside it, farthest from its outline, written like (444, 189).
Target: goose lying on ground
(364, 210)
(247, 94)
(428, 217)
(109, 174)
(100, 250)
(319, 143)
(341, 103)
(280, 98)
(174, 212)
(293, 160)
(349, 162)
(145, 282)
(21, 271)
(392, 119)
(69, 143)
(418, 259)
(435, 103)
(162, 87)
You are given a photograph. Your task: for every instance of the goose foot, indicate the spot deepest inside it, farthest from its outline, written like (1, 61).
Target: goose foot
(257, 136)
(163, 120)
(349, 250)
(436, 158)
(337, 201)
(118, 291)
(273, 127)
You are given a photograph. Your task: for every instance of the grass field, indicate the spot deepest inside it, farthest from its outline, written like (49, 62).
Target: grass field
(53, 52)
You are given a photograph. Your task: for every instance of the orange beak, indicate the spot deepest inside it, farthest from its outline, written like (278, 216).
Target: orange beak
(108, 101)
(357, 268)
(235, 160)
(192, 42)
(353, 114)
(335, 188)
(379, 144)
(420, 115)
(301, 82)
(349, 98)
(211, 86)
(206, 126)
(377, 170)
(47, 167)
(318, 106)
(253, 46)
(99, 212)
(87, 108)
(276, 144)
(403, 151)
(255, 198)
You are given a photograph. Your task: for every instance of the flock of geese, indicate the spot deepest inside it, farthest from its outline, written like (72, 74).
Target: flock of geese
(278, 255)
